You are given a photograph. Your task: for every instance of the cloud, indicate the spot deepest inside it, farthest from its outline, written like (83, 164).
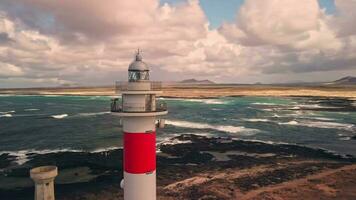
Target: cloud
(8, 70)
(89, 40)
(298, 24)
(92, 42)
(296, 35)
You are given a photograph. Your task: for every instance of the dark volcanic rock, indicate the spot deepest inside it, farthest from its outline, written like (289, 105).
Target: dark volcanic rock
(5, 160)
(202, 143)
(176, 162)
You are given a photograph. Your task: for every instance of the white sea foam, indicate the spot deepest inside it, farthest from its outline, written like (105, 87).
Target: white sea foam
(105, 149)
(345, 138)
(256, 120)
(206, 101)
(222, 128)
(6, 115)
(266, 104)
(289, 123)
(93, 114)
(320, 124)
(60, 116)
(267, 109)
(276, 115)
(320, 118)
(175, 141)
(31, 109)
(22, 155)
(311, 106)
(6, 112)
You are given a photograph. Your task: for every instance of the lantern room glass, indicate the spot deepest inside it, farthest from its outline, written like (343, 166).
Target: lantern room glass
(139, 76)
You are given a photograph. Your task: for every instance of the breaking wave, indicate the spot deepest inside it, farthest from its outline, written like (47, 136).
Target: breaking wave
(22, 155)
(266, 104)
(256, 120)
(31, 109)
(7, 112)
(92, 114)
(105, 149)
(206, 101)
(222, 128)
(59, 116)
(320, 124)
(311, 106)
(6, 115)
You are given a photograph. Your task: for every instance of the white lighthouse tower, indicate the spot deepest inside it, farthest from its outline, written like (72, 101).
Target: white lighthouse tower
(140, 115)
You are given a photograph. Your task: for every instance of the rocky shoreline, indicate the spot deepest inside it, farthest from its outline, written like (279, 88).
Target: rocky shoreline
(189, 167)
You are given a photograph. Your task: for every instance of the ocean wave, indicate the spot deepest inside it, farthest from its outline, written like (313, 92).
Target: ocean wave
(320, 124)
(105, 149)
(345, 138)
(320, 118)
(256, 120)
(6, 115)
(6, 112)
(313, 106)
(31, 109)
(268, 109)
(59, 116)
(205, 101)
(171, 141)
(265, 104)
(222, 128)
(93, 114)
(293, 122)
(22, 155)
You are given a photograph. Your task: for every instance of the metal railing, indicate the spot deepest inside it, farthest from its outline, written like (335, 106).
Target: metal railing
(117, 106)
(123, 86)
(161, 106)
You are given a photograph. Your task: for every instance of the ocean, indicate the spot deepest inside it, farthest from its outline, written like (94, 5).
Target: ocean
(40, 125)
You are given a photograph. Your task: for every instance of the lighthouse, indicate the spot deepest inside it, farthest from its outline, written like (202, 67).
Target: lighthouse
(140, 114)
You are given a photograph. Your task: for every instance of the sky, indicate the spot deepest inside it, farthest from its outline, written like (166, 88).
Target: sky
(90, 42)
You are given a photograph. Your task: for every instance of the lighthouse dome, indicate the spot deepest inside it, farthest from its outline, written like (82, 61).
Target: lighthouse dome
(138, 64)
(138, 70)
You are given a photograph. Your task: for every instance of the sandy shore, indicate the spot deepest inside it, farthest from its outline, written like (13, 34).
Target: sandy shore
(203, 91)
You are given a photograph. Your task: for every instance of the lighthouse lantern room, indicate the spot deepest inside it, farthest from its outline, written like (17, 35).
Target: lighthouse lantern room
(140, 115)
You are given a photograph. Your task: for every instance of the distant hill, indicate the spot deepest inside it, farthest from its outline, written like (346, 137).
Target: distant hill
(194, 81)
(348, 80)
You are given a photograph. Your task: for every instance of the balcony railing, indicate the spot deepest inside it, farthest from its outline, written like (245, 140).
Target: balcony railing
(123, 86)
(117, 106)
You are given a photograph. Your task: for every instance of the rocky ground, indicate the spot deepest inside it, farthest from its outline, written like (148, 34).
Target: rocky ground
(198, 167)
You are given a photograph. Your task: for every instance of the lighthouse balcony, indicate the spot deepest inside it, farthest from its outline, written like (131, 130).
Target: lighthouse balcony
(117, 106)
(122, 87)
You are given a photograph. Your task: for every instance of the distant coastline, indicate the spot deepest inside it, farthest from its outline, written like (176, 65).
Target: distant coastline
(202, 91)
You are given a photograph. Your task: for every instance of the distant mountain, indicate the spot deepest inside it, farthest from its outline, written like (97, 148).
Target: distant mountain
(194, 81)
(348, 80)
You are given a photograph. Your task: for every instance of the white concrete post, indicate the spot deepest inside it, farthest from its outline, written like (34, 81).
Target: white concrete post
(44, 182)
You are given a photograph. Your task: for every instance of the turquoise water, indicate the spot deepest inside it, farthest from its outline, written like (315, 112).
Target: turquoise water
(41, 124)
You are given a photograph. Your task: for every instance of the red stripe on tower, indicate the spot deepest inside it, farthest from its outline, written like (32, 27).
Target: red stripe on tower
(139, 152)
